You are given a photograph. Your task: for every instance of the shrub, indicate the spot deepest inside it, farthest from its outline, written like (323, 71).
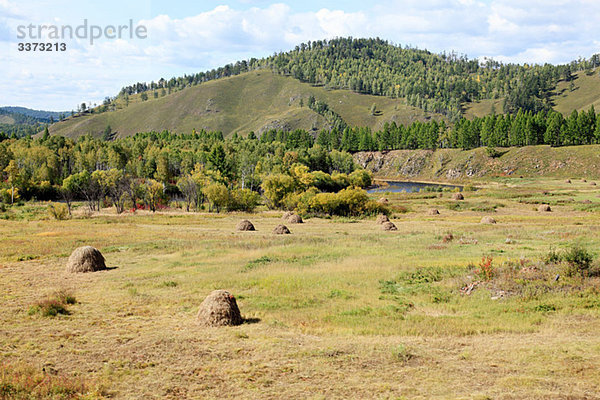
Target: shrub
(486, 270)
(58, 211)
(345, 203)
(217, 195)
(492, 152)
(277, 187)
(579, 262)
(373, 207)
(243, 199)
(360, 178)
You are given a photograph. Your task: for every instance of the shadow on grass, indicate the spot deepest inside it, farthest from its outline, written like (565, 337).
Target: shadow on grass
(251, 320)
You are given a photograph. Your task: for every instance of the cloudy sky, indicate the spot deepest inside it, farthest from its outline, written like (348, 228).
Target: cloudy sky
(192, 36)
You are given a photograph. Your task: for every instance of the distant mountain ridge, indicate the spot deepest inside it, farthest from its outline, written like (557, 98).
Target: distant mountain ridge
(40, 115)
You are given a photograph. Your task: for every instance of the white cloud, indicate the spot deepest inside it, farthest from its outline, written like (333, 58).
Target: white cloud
(510, 30)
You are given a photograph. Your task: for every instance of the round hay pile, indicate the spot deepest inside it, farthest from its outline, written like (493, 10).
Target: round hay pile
(281, 230)
(382, 219)
(488, 220)
(295, 219)
(286, 215)
(383, 200)
(433, 211)
(85, 259)
(568, 181)
(458, 196)
(544, 208)
(245, 225)
(593, 183)
(586, 201)
(388, 226)
(219, 309)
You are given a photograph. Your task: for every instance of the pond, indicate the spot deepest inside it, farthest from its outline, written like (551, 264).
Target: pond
(411, 187)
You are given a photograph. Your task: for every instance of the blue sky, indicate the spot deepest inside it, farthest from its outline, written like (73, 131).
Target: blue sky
(191, 36)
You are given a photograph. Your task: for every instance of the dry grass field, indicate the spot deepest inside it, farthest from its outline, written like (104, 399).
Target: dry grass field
(338, 309)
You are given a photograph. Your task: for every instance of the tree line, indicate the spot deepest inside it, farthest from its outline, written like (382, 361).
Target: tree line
(524, 128)
(288, 168)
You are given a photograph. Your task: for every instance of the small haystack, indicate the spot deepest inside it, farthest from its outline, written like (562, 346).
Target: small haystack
(488, 220)
(584, 180)
(568, 181)
(281, 230)
(586, 201)
(388, 226)
(219, 309)
(382, 219)
(458, 196)
(544, 208)
(433, 211)
(286, 215)
(593, 183)
(383, 200)
(245, 225)
(295, 219)
(86, 259)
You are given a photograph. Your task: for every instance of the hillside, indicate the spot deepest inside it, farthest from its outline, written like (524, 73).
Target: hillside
(459, 165)
(252, 101)
(584, 93)
(350, 75)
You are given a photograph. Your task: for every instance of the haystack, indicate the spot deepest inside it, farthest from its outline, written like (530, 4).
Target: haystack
(433, 211)
(593, 183)
(389, 226)
(458, 196)
(281, 230)
(382, 218)
(86, 259)
(245, 225)
(568, 181)
(584, 180)
(586, 201)
(286, 215)
(383, 200)
(544, 208)
(488, 220)
(295, 219)
(219, 309)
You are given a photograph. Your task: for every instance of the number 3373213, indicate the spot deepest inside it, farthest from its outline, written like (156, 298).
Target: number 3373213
(42, 46)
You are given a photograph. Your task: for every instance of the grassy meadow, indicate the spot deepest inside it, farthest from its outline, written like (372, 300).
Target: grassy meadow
(337, 309)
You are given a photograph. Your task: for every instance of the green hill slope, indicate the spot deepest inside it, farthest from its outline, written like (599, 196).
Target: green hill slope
(251, 101)
(584, 93)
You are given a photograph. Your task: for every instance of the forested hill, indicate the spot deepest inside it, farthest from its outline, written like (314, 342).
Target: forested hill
(380, 81)
(441, 83)
(21, 121)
